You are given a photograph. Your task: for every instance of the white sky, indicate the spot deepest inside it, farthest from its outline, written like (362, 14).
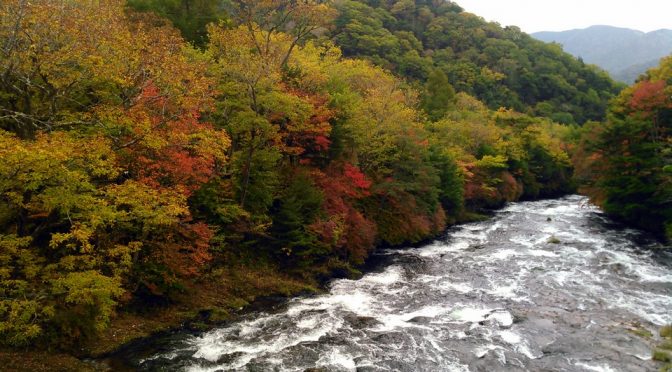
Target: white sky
(559, 15)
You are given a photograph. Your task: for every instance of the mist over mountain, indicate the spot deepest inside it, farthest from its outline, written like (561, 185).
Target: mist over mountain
(623, 52)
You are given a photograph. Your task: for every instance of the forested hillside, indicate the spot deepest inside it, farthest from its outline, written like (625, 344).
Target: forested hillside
(626, 163)
(144, 174)
(503, 67)
(623, 52)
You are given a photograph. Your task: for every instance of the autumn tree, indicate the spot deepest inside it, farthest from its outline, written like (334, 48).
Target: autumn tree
(55, 56)
(299, 19)
(625, 163)
(253, 61)
(103, 141)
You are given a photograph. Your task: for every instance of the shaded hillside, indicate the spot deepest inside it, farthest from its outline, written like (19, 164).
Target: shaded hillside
(503, 67)
(623, 52)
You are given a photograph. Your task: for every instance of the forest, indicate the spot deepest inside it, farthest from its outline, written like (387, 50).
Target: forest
(625, 163)
(165, 157)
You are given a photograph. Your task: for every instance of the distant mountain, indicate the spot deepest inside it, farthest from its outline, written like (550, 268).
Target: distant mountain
(623, 52)
(630, 74)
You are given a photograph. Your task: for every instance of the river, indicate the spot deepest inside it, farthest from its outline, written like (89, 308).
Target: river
(547, 285)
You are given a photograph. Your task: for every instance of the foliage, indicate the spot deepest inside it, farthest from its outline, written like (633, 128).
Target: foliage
(295, 211)
(134, 164)
(503, 67)
(502, 156)
(439, 95)
(190, 16)
(108, 144)
(624, 164)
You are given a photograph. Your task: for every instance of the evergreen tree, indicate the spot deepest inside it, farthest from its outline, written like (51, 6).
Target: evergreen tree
(439, 95)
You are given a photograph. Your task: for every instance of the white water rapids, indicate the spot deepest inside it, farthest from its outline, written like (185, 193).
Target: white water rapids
(518, 292)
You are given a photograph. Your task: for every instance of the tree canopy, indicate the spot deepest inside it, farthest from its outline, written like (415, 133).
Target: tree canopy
(503, 67)
(625, 164)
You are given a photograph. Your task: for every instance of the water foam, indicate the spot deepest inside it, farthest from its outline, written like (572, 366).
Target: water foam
(440, 306)
(599, 368)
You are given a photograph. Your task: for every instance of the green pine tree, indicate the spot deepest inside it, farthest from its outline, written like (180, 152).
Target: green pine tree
(439, 95)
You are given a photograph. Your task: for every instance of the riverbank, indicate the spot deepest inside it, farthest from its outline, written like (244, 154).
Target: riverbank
(213, 299)
(494, 295)
(216, 298)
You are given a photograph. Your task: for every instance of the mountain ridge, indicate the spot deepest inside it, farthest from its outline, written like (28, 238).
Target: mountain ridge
(623, 52)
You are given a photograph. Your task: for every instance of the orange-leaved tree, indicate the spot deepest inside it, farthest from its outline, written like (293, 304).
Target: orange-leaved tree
(103, 137)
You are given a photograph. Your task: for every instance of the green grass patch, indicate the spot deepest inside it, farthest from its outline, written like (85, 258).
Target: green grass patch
(554, 240)
(472, 217)
(666, 345)
(663, 351)
(666, 331)
(642, 333)
(662, 356)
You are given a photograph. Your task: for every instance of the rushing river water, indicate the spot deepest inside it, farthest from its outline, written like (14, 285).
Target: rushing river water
(542, 286)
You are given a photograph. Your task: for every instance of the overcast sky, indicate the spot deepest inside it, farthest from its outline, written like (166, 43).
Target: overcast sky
(560, 15)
